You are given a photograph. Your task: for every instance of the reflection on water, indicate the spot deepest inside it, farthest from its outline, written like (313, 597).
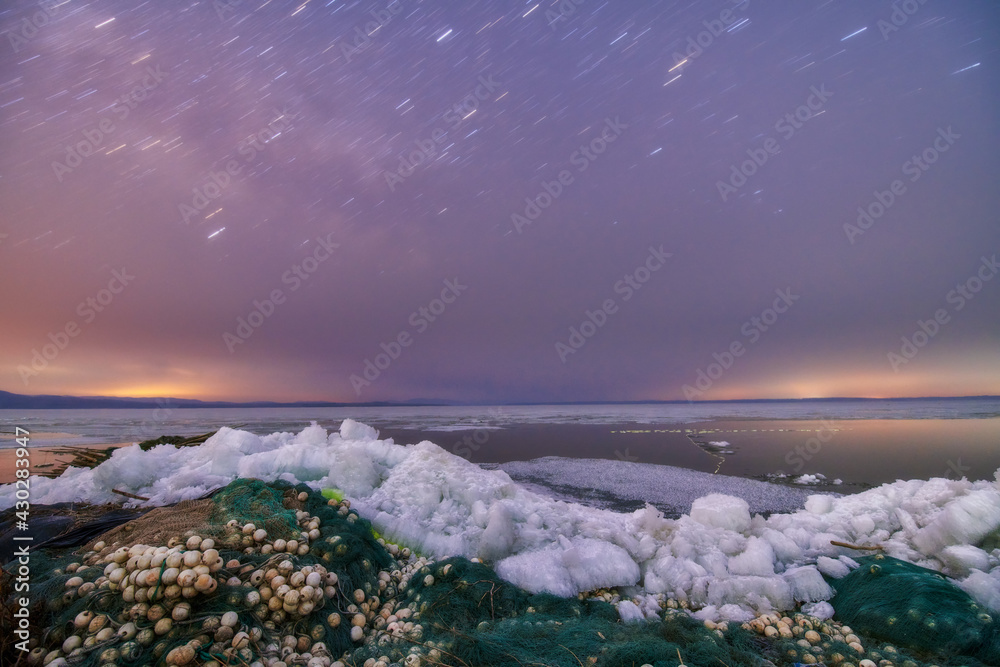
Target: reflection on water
(857, 451)
(102, 426)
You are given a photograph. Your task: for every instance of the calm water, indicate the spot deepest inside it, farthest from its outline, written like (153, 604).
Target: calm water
(857, 441)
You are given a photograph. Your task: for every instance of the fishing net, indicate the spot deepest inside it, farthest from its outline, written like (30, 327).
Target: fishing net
(281, 558)
(470, 616)
(916, 608)
(261, 572)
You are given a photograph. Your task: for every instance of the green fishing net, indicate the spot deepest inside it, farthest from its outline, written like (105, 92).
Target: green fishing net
(916, 608)
(452, 612)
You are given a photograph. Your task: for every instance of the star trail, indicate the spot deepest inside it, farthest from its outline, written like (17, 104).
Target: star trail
(289, 185)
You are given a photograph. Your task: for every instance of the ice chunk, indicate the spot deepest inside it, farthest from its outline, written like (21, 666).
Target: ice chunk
(757, 559)
(352, 430)
(571, 566)
(708, 613)
(849, 562)
(819, 504)
(672, 575)
(810, 479)
(785, 548)
(630, 612)
(862, 525)
(721, 511)
(832, 568)
(820, 610)
(965, 520)
(906, 522)
(650, 606)
(807, 584)
(498, 537)
(760, 593)
(734, 613)
(983, 588)
(822, 544)
(596, 564)
(961, 558)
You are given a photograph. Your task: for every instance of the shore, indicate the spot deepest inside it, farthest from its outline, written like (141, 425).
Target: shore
(41, 459)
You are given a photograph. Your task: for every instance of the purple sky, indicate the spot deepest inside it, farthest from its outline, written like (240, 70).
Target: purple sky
(218, 154)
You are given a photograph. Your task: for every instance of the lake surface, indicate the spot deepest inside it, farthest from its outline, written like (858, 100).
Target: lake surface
(858, 442)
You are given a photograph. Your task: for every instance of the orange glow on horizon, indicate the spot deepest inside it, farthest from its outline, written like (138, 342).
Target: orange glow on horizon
(856, 386)
(981, 378)
(161, 390)
(235, 381)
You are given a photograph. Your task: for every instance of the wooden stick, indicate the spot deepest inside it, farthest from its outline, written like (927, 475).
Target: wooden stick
(128, 495)
(877, 547)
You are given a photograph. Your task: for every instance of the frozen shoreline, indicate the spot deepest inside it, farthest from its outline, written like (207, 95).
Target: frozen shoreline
(717, 556)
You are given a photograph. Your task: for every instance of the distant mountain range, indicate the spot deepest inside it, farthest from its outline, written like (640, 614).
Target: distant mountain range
(10, 401)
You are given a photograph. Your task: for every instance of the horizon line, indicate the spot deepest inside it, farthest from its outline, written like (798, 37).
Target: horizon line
(433, 402)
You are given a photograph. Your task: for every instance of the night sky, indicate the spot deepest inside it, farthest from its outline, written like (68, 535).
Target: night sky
(492, 201)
